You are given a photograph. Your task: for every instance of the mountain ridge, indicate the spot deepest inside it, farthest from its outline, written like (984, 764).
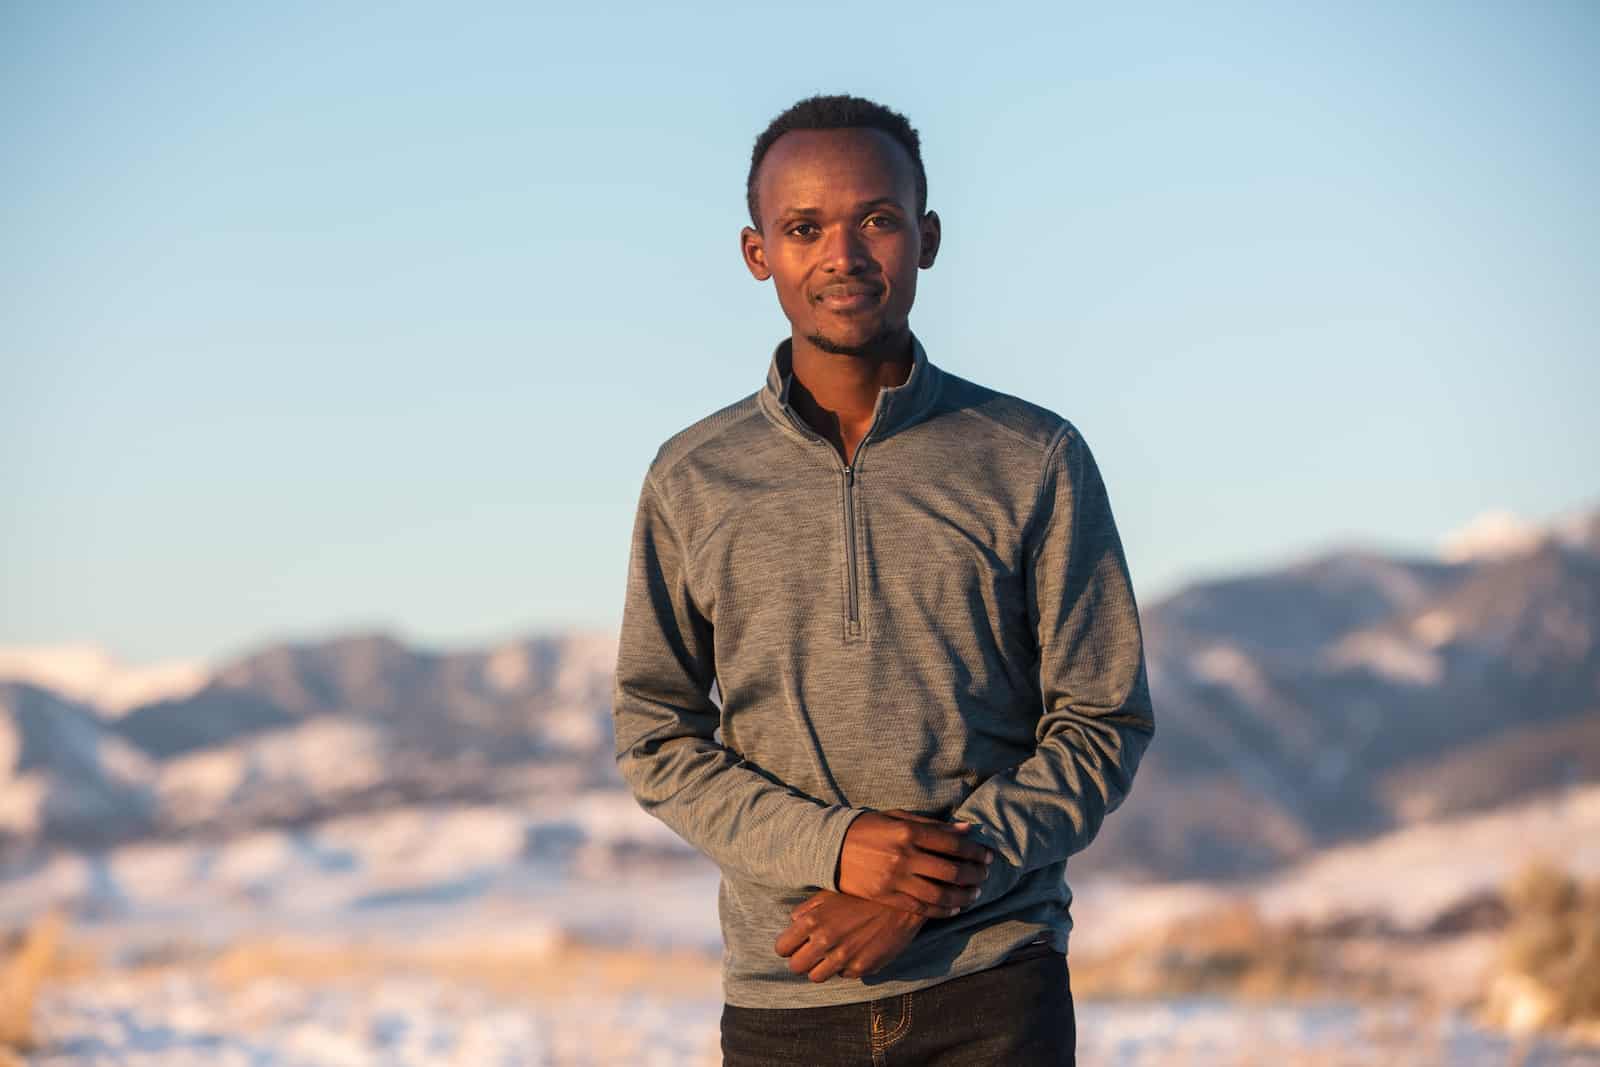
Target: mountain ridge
(1334, 698)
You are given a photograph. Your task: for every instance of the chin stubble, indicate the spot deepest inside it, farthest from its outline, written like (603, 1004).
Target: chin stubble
(867, 347)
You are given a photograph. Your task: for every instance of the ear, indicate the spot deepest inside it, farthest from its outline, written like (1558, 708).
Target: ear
(928, 226)
(755, 253)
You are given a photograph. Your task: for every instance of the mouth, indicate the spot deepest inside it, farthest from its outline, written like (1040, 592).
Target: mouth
(848, 297)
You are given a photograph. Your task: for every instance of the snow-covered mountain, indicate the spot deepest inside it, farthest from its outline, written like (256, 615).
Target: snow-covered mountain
(1354, 693)
(1330, 700)
(294, 733)
(514, 702)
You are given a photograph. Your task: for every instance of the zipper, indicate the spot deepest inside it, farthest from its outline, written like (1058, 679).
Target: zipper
(853, 609)
(850, 542)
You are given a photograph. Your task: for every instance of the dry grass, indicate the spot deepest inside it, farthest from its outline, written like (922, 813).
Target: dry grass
(535, 971)
(558, 977)
(1548, 971)
(1230, 951)
(529, 969)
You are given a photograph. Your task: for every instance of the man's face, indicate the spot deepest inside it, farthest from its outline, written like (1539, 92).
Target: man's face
(840, 237)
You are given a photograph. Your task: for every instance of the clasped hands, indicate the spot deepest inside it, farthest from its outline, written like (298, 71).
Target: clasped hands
(896, 871)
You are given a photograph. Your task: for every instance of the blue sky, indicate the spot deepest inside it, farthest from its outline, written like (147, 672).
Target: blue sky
(314, 318)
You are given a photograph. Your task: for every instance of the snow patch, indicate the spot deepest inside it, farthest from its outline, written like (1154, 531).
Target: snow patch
(1492, 535)
(1226, 665)
(1413, 873)
(1435, 628)
(87, 673)
(22, 800)
(508, 668)
(322, 758)
(1387, 657)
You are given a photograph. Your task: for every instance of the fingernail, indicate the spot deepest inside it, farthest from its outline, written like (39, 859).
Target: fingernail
(966, 825)
(988, 857)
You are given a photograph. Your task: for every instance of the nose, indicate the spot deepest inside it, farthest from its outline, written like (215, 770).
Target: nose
(844, 251)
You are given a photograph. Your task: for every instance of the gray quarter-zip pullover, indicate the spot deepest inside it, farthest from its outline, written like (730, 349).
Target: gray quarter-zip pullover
(946, 625)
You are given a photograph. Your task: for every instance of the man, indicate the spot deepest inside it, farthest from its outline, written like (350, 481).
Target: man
(909, 593)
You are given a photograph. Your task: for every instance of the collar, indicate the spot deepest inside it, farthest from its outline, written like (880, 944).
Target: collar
(897, 406)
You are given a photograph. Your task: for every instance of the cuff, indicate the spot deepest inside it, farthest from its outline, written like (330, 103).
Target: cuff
(1002, 876)
(829, 846)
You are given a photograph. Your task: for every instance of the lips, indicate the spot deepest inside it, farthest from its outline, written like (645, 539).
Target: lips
(848, 297)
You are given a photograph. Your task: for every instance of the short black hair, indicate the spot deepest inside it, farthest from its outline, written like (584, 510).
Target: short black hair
(837, 112)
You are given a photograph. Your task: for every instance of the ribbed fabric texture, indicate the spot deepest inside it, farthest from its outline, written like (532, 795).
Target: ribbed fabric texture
(948, 628)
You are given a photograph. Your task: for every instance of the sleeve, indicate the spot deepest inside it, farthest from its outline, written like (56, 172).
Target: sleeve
(740, 816)
(1096, 720)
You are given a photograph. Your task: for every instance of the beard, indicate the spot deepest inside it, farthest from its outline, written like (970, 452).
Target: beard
(871, 346)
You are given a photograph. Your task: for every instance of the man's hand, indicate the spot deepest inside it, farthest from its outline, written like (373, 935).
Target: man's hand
(911, 862)
(831, 933)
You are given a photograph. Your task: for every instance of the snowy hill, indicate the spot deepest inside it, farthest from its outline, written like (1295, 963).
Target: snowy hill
(65, 777)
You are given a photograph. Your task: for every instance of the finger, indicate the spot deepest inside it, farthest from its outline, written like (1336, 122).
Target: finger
(949, 896)
(955, 897)
(938, 896)
(962, 828)
(925, 908)
(828, 966)
(842, 955)
(809, 955)
(815, 941)
(948, 871)
(806, 905)
(901, 813)
(790, 940)
(884, 939)
(800, 928)
(948, 842)
(866, 960)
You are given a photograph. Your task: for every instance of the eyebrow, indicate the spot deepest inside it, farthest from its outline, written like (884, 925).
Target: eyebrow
(881, 201)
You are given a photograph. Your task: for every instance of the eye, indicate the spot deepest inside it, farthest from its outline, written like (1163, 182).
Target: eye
(802, 229)
(882, 222)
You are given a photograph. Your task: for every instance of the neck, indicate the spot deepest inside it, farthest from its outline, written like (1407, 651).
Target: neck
(837, 393)
(844, 386)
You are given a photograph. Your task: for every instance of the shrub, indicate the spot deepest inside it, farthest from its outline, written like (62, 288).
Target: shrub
(20, 977)
(1548, 970)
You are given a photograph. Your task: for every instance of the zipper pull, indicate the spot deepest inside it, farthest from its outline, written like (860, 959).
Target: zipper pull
(849, 475)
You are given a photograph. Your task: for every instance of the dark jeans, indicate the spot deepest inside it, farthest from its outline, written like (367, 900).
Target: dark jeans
(1017, 1014)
